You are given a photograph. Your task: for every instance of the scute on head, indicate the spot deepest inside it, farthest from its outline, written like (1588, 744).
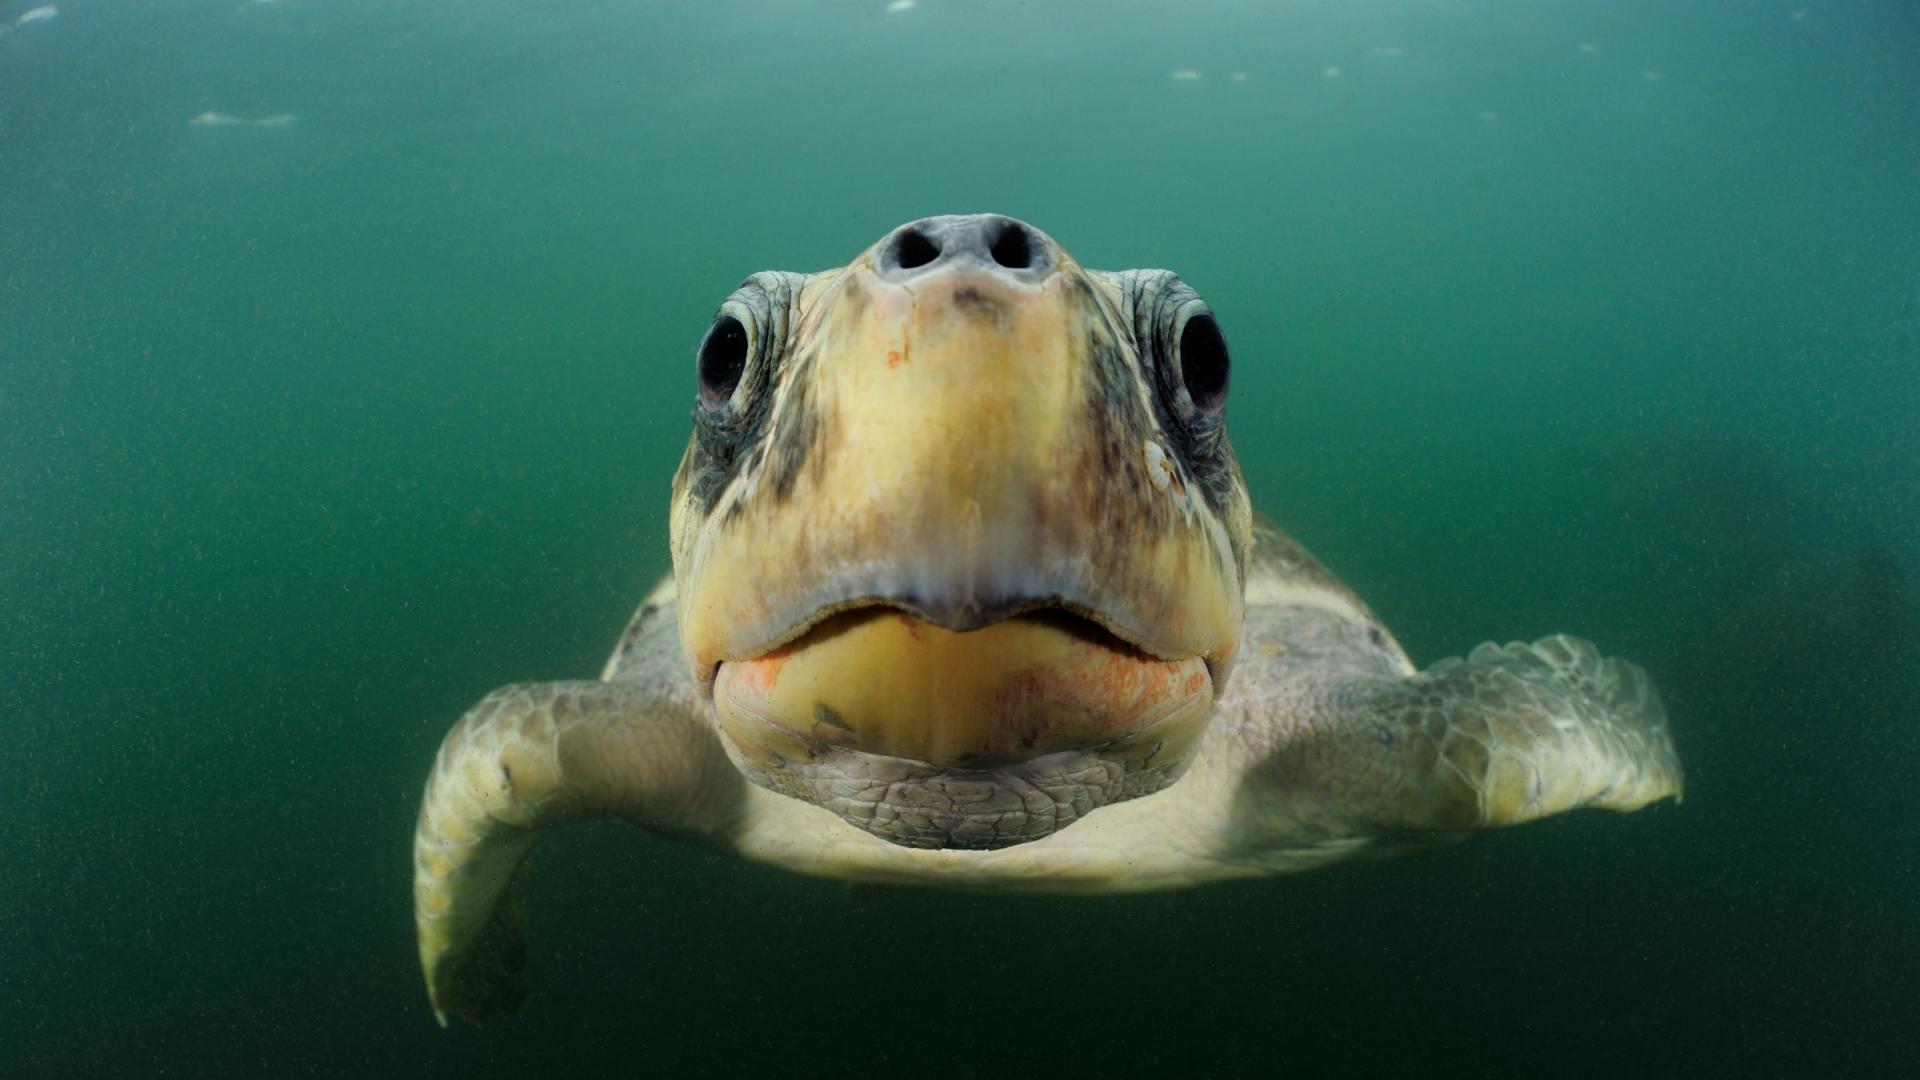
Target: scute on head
(927, 523)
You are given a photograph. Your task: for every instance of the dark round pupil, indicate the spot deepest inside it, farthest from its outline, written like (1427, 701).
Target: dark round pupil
(1203, 362)
(723, 356)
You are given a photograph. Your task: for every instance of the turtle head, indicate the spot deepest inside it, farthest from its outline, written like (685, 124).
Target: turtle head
(959, 527)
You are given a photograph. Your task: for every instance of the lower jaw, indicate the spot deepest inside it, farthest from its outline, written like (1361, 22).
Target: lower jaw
(932, 738)
(919, 805)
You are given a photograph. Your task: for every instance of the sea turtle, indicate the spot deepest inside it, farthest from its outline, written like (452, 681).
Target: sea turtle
(967, 591)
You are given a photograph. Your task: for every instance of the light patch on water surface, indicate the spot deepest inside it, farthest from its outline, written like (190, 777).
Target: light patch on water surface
(900, 5)
(39, 14)
(220, 119)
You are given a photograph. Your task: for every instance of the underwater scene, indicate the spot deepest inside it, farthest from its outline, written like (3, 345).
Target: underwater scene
(358, 359)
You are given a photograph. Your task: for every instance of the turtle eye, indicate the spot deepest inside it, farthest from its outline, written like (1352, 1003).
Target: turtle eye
(1204, 364)
(722, 359)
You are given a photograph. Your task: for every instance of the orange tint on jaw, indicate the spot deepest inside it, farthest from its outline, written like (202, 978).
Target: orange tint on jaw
(760, 675)
(888, 683)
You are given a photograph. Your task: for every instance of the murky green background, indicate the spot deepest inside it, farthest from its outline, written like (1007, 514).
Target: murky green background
(1583, 317)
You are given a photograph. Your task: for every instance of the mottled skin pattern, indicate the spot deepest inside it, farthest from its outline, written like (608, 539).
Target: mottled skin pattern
(1323, 743)
(781, 468)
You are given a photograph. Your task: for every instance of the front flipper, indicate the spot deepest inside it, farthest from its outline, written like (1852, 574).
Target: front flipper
(1508, 735)
(530, 757)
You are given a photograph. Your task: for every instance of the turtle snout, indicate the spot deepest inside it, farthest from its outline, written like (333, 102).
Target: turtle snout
(1000, 245)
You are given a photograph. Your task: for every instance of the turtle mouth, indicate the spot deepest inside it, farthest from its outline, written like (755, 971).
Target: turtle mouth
(1064, 594)
(933, 737)
(880, 677)
(964, 617)
(1078, 621)
(1069, 619)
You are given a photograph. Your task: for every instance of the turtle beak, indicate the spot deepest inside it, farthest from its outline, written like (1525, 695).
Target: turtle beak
(959, 434)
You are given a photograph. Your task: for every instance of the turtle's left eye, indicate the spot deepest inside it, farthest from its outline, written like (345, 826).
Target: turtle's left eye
(1204, 364)
(722, 359)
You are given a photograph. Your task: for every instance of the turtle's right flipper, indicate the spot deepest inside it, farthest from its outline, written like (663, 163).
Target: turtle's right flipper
(528, 757)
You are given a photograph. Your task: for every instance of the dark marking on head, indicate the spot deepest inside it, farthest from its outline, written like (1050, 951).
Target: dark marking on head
(979, 304)
(1113, 415)
(853, 296)
(796, 437)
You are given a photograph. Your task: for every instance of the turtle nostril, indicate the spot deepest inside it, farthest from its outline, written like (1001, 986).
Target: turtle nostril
(1011, 248)
(914, 248)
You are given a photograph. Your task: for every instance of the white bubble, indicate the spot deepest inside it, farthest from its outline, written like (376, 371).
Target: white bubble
(1185, 74)
(220, 119)
(1330, 72)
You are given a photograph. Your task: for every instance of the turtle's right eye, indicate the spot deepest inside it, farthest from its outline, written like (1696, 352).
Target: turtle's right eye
(722, 359)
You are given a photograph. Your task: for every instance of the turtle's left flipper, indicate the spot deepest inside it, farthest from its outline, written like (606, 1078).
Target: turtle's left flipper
(528, 757)
(1510, 734)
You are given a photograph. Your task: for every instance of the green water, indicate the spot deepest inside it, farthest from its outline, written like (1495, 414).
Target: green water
(1597, 318)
